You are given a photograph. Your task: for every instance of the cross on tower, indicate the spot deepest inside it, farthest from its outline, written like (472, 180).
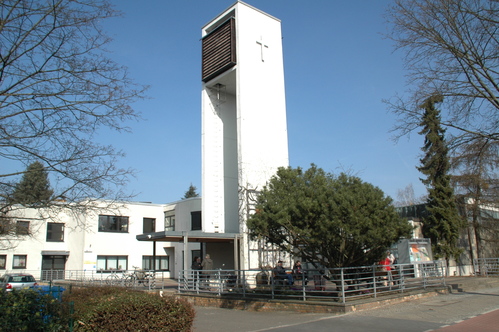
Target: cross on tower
(262, 46)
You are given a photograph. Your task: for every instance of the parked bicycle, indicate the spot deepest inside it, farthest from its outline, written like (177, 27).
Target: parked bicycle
(140, 277)
(115, 279)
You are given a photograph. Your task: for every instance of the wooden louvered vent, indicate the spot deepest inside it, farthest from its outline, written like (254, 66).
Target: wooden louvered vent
(219, 50)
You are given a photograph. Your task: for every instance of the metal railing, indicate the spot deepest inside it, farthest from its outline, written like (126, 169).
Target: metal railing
(126, 278)
(486, 266)
(339, 284)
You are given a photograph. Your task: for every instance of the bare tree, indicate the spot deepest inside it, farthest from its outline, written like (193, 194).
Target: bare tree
(476, 180)
(452, 50)
(407, 197)
(58, 89)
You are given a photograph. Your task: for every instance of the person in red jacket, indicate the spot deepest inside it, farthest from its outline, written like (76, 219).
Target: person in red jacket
(385, 264)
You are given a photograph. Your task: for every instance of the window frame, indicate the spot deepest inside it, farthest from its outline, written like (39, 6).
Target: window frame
(22, 227)
(146, 225)
(105, 221)
(116, 266)
(3, 262)
(196, 221)
(170, 221)
(19, 258)
(159, 259)
(54, 232)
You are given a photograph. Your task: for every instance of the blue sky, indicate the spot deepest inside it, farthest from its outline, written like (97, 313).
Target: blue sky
(338, 68)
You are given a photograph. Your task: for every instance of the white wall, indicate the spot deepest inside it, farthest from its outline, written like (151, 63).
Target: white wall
(84, 244)
(114, 243)
(183, 211)
(244, 130)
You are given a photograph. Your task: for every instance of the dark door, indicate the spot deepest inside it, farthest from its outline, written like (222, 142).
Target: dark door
(53, 267)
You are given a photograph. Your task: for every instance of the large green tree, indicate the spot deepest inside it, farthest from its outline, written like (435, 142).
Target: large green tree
(34, 188)
(443, 222)
(334, 221)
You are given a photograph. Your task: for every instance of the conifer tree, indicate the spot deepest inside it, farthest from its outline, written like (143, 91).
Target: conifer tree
(191, 192)
(34, 187)
(442, 224)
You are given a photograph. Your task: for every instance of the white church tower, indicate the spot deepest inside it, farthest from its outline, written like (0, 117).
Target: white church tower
(244, 133)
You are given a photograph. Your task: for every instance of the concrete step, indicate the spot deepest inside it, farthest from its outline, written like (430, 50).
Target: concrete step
(468, 284)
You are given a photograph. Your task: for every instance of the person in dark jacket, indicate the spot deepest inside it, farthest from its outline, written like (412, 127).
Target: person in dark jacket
(280, 273)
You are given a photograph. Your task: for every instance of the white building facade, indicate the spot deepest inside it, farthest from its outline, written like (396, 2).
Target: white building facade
(100, 241)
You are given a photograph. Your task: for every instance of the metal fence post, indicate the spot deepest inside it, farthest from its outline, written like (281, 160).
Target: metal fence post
(342, 286)
(71, 314)
(243, 285)
(220, 281)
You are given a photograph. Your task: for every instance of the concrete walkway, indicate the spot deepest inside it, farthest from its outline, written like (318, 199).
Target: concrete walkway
(472, 306)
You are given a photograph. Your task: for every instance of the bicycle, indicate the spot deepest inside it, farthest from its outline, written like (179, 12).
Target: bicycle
(147, 279)
(113, 279)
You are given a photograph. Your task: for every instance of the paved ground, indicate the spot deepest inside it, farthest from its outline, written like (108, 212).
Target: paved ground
(474, 310)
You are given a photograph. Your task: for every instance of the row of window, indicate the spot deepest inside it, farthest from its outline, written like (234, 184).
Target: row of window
(55, 231)
(196, 222)
(120, 223)
(117, 263)
(104, 263)
(18, 262)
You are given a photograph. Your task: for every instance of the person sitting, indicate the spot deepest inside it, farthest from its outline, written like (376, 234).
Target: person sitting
(299, 273)
(280, 273)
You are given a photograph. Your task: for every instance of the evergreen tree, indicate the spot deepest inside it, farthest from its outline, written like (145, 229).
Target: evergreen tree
(191, 192)
(442, 224)
(335, 221)
(34, 187)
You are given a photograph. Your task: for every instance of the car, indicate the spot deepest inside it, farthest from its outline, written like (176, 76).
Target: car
(14, 281)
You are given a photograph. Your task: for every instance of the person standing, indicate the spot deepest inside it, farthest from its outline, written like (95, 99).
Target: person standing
(207, 265)
(196, 268)
(385, 264)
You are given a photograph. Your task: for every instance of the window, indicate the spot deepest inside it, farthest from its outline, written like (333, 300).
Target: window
(55, 232)
(113, 224)
(170, 220)
(22, 227)
(196, 220)
(149, 225)
(19, 261)
(162, 263)
(3, 262)
(4, 227)
(110, 263)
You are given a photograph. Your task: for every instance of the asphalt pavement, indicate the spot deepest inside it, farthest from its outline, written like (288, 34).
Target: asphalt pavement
(475, 311)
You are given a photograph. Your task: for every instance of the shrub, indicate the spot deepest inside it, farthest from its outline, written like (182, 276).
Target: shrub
(31, 310)
(121, 309)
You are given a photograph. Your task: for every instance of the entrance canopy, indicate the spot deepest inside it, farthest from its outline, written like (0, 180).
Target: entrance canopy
(55, 253)
(172, 236)
(193, 237)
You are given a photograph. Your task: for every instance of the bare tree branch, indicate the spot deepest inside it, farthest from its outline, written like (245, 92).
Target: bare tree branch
(58, 89)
